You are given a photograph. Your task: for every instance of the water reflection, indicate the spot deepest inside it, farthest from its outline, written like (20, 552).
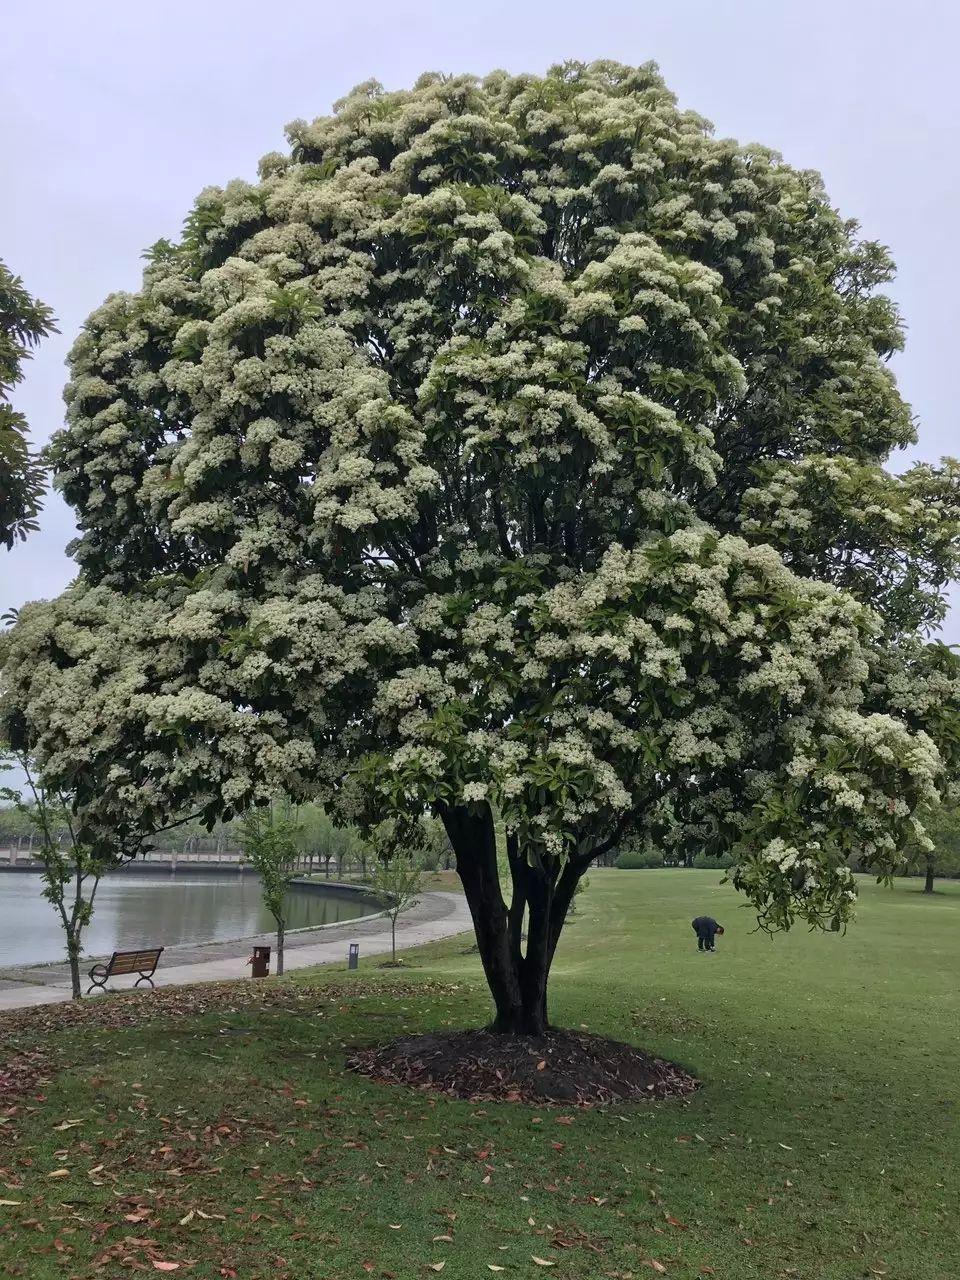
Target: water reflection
(154, 910)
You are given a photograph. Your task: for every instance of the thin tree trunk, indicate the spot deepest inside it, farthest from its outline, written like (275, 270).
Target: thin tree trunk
(928, 882)
(73, 928)
(73, 958)
(279, 948)
(393, 939)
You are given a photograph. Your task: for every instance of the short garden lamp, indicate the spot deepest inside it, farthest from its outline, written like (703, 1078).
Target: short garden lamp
(260, 962)
(353, 956)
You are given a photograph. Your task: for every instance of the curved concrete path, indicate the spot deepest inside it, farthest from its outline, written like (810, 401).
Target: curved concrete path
(435, 915)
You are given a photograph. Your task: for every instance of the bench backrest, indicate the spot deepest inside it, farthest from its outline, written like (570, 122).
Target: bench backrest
(133, 961)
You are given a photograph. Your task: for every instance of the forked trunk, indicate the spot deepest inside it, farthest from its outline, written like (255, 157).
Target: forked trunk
(542, 894)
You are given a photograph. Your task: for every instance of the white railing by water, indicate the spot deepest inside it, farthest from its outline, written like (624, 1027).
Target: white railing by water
(21, 854)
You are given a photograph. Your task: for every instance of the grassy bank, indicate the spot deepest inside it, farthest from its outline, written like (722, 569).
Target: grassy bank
(215, 1129)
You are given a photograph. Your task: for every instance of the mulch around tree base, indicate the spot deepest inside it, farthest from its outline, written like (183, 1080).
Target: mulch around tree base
(565, 1068)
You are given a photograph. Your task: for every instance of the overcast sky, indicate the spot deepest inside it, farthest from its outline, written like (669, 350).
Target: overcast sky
(113, 115)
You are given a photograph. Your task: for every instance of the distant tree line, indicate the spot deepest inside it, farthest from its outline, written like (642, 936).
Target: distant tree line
(326, 847)
(637, 857)
(940, 861)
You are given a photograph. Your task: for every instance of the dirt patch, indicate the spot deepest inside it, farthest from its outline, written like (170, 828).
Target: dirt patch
(565, 1068)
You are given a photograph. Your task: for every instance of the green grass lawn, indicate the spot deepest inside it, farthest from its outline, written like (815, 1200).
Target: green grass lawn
(218, 1131)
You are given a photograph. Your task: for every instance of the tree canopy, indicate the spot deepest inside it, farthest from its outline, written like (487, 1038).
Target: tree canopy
(512, 446)
(23, 322)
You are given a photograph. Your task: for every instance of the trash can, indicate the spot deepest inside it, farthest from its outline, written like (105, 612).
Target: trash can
(260, 962)
(353, 956)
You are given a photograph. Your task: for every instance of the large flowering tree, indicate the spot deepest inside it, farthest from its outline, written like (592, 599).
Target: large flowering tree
(512, 447)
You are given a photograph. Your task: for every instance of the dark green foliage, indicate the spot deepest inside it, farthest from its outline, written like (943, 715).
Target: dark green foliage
(943, 860)
(635, 859)
(23, 322)
(704, 862)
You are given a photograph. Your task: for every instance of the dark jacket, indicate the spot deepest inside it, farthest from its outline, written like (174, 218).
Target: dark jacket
(705, 927)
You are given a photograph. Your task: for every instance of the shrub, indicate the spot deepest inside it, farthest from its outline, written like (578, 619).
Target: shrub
(634, 859)
(704, 862)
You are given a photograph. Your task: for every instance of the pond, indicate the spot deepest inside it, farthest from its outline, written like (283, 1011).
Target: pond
(157, 910)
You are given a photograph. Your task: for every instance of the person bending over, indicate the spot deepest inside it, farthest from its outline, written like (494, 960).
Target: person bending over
(706, 929)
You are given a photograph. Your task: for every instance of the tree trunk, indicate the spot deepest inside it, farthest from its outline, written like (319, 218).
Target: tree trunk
(73, 959)
(279, 950)
(928, 882)
(517, 978)
(393, 939)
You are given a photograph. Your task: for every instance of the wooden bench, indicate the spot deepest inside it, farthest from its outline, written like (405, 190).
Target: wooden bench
(142, 962)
